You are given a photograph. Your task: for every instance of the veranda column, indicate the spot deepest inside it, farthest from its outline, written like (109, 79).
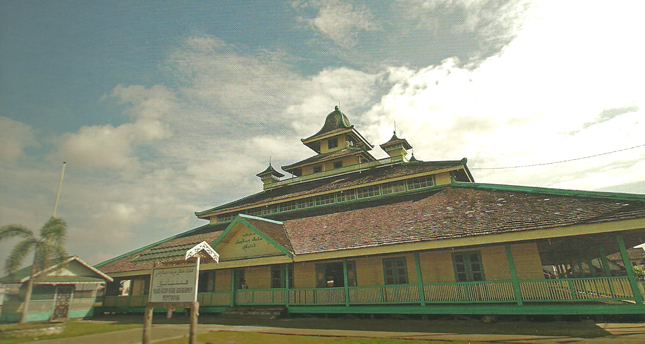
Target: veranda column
(286, 283)
(346, 284)
(417, 263)
(628, 269)
(511, 268)
(603, 259)
(232, 287)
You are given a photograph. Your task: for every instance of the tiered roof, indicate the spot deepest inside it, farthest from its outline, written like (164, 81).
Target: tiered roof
(459, 210)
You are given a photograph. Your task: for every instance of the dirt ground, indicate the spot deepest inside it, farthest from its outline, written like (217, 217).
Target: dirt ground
(546, 326)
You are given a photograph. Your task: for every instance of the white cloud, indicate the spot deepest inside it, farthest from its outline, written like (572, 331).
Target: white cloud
(340, 21)
(14, 138)
(109, 147)
(556, 92)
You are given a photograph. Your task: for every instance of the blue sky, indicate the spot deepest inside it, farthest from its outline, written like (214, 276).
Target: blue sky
(165, 108)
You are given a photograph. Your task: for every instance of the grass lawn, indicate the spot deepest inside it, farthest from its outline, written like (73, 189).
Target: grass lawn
(574, 328)
(250, 337)
(72, 329)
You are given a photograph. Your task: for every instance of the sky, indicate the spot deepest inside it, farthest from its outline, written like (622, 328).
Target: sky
(164, 108)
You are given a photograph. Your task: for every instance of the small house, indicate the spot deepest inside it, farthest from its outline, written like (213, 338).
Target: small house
(63, 291)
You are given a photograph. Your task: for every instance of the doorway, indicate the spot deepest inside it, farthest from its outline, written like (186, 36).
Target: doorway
(63, 301)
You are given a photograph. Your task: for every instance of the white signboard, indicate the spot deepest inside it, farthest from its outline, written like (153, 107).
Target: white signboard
(174, 284)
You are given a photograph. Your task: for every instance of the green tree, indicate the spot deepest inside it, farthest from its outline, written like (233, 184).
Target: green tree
(47, 248)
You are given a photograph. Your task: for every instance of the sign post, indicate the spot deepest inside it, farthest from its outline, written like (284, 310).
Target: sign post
(176, 286)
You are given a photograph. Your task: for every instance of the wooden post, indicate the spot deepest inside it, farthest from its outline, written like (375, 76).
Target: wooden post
(628, 268)
(286, 283)
(194, 313)
(417, 264)
(605, 262)
(511, 268)
(346, 284)
(233, 287)
(147, 324)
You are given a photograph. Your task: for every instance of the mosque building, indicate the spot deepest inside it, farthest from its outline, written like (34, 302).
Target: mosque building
(349, 233)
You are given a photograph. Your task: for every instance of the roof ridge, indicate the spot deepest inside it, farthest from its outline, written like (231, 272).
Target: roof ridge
(553, 191)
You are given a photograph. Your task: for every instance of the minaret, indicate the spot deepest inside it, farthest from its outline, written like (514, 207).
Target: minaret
(269, 176)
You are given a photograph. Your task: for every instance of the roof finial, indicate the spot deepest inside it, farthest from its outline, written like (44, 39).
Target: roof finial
(395, 128)
(269, 160)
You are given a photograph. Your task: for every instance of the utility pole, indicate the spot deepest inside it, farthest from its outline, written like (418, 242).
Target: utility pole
(60, 184)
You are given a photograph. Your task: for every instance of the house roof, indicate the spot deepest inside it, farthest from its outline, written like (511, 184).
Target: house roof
(455, 211)
(24, 274)
(350, 179)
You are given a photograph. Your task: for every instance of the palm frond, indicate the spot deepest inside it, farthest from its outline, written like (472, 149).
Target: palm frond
(18, 254)
(10, 231)
(54, 231)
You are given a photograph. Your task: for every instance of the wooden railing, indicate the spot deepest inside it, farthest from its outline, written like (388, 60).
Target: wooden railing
(556, 290)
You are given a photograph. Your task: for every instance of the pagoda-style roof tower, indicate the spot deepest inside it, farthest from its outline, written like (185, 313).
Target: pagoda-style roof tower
(396, 148)
(269, 176)
(338, 145)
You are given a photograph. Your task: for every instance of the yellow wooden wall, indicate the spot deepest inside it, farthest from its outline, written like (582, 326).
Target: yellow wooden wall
(258, 277)
(329, 165)
(527, 261)
(436, 267)
(223, 280)
(304, 275)
(324, 148)
(442, 178)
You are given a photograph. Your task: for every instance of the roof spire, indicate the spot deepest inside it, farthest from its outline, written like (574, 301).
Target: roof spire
(395, 128)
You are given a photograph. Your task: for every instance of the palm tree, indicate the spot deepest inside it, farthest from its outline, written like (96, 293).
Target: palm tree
(47, 248)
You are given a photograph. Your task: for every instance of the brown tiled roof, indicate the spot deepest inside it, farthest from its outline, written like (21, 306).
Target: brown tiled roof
(461, 210)
(335, 182)
(273, 230)
(171, 249)
(452, 213)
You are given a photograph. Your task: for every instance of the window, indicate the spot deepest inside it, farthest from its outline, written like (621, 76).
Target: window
(395, 271)
(369, 191)
(318, 169)
(419, 183)
(305, 203)
(332, 143)
(140, 285)
(288, 206)
(468, 266)
(345, 196)
(325, 199)
(395, 187)
(278, 276)
(206, 282)
(330, 275)
(338, 164)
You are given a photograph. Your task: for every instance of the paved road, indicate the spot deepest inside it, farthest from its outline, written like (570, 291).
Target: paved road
(622, 334)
